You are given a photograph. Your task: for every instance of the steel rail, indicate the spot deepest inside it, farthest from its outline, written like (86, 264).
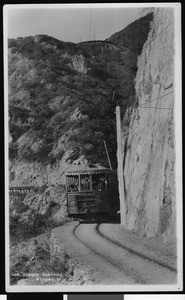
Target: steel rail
(153, 260)
(137, 278)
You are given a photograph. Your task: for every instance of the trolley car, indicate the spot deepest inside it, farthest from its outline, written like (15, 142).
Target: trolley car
(92, 192)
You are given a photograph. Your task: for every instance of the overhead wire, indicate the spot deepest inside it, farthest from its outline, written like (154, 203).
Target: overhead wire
(155, 107)
(141, 105)
(158, 34)
(124, 69)
(98, 150)
(108, 122)
(158, 98)
(85, 121)
(145, 45)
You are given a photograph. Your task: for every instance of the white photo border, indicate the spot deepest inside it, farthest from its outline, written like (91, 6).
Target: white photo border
(178, 134)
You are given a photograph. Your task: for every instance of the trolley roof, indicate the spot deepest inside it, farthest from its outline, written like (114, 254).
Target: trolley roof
(89, 169)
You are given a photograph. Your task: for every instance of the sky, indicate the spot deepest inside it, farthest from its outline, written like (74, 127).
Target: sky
(73, 24)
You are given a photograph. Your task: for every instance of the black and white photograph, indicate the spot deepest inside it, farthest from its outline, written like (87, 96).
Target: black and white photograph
(93, 147)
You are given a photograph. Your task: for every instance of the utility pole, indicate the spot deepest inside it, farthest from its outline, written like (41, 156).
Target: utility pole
(120, 168)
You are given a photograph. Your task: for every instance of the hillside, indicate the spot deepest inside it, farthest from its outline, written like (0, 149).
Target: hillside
(62, 100)
(62, 96)
(133, 39)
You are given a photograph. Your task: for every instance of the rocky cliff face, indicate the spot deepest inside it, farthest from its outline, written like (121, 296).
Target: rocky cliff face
(150, 150)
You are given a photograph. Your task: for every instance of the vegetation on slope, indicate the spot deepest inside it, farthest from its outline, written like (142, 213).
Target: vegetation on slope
(39, 261)
(42, 209)
(62, 96)
(62, 100)
(134, 35)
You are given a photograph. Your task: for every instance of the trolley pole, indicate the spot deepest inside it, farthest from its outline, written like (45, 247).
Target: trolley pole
(110, 166)
(120, 168)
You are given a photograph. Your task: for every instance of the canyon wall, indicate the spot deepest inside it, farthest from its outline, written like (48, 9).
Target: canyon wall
(149, 147)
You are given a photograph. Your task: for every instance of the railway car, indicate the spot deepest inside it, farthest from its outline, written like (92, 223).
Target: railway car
(92, 192)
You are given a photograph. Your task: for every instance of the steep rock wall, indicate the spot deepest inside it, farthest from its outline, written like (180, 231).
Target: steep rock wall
(150, 154)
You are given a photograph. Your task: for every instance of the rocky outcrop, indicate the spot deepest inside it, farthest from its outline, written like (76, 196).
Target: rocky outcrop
(35, 174)
(150, 146)
(79, 64)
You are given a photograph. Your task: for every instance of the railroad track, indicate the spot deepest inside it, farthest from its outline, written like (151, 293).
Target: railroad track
(153, 260)
(128, 272)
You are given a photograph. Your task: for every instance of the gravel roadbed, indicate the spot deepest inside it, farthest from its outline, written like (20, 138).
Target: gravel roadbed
(97, 269)
(151, 247)
(92, 267)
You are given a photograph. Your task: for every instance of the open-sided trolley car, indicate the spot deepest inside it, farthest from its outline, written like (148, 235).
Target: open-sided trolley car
(92, 192)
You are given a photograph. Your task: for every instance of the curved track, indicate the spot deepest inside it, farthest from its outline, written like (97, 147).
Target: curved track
(141, 255)
(136, 278)
(137, 267)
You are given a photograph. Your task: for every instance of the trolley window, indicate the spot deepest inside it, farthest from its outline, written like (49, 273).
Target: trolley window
(72, 183)
(85, 182)
(99, 182)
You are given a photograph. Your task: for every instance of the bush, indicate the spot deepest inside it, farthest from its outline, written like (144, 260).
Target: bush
(40, 210)
(17, 269)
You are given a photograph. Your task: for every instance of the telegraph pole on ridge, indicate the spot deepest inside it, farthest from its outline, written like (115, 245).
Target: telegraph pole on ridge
(120, 168)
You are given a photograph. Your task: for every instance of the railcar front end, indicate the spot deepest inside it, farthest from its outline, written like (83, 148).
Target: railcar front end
(91, 192)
